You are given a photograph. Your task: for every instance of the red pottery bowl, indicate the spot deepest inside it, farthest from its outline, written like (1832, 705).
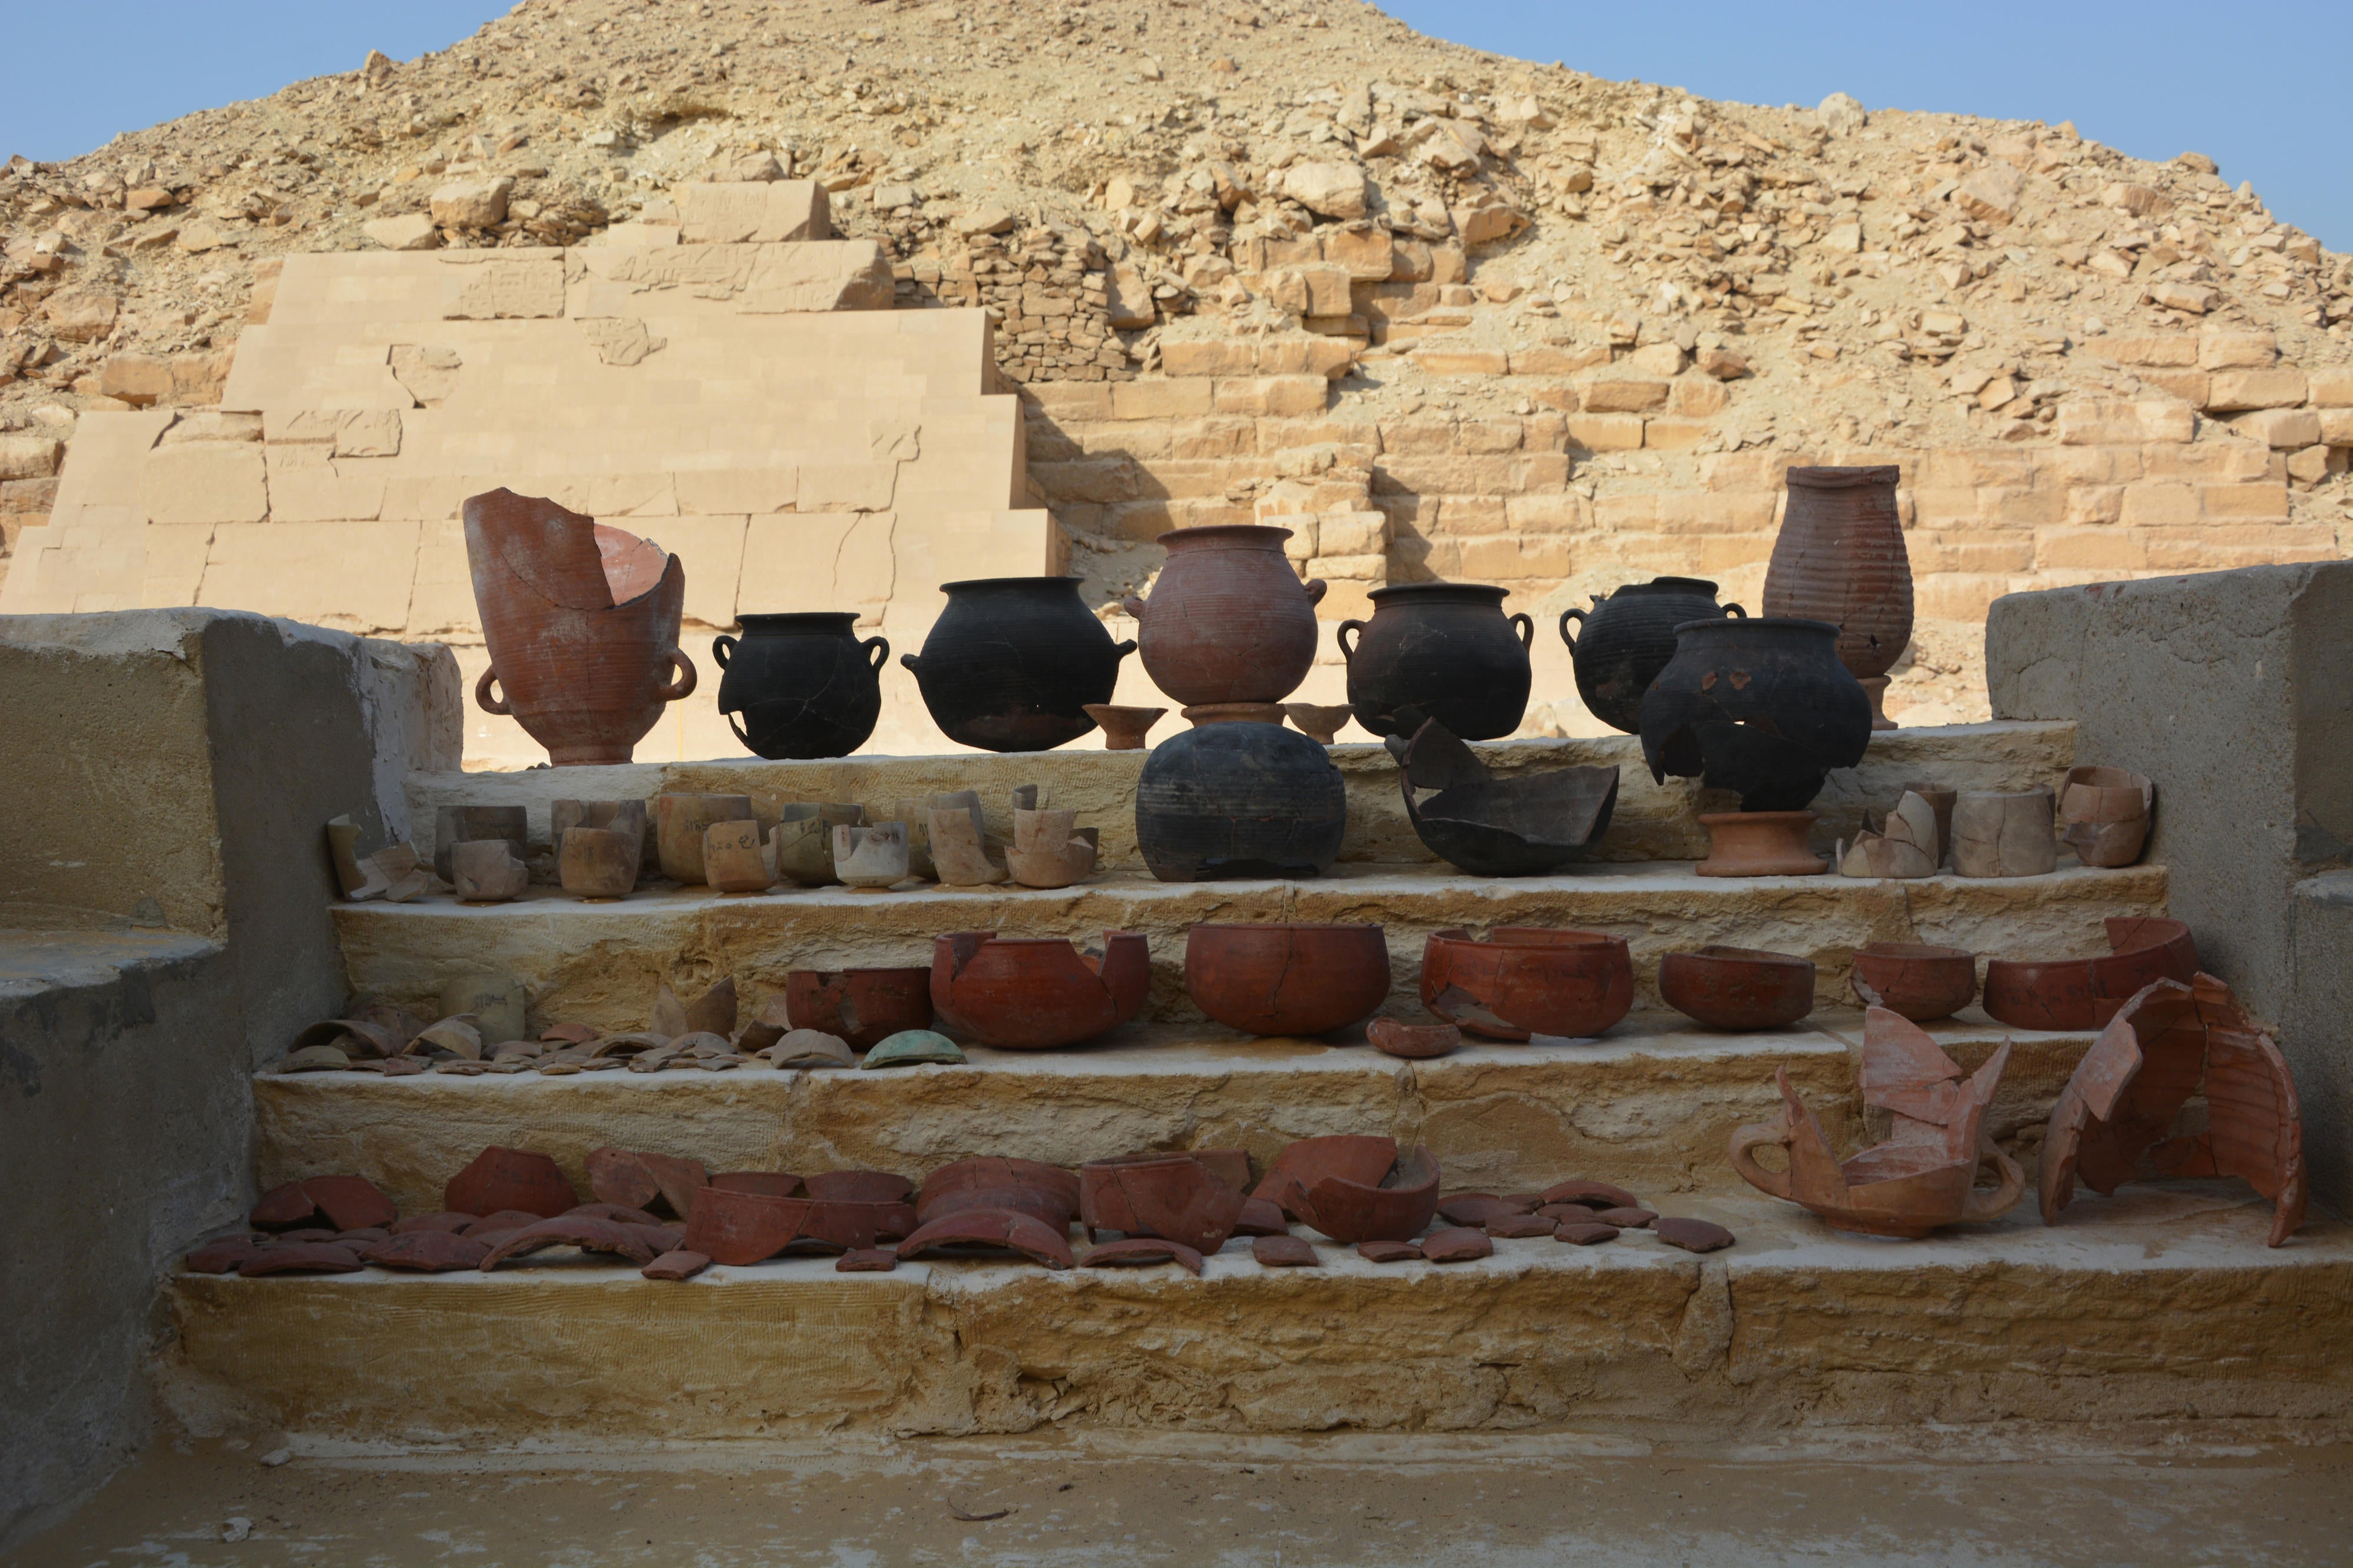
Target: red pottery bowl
(2085, 993)
(1287, 979)
(1739, 989)
(1036, 993)
(863, 1007)
(1919, 980)
(1527, 980)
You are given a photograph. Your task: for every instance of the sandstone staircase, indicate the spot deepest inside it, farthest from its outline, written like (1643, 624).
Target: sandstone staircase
(2135, 1314)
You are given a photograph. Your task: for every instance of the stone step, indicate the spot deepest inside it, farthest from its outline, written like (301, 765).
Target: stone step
(2159, 1301)
(600, 962)
(1649, 1106)
(1653, 822)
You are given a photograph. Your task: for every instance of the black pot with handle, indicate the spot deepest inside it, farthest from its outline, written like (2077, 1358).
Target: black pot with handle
(1012, 663)
(1444, 648)
(803, 685)
(1630, 636)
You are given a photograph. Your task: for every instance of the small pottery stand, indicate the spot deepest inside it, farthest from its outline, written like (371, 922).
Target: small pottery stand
(1123, 728)
(1759, 844)
(1876, 688)
(1319, 721)
(1202, 713)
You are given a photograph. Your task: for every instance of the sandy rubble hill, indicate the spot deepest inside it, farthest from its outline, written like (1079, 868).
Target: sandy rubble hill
(1646, 294)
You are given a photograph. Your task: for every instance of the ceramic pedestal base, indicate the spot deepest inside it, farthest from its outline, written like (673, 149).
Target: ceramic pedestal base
(1759, 844)
(1875, 686)
(1123, 728)
(1202, 713)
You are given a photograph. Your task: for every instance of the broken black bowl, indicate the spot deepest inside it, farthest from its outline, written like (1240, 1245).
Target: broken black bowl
(1761, 707)
(1490, 827)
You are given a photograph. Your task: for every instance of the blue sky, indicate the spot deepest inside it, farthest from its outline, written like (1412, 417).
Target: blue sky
(2257, 88)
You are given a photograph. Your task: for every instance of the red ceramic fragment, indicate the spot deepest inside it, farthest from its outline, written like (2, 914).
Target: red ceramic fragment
(1284, 1252)
(222, 1256)
(1387, 1251)
(1261, 1218)
(2085, 993)
(1626, 1219)
(740, 1228)
(1286, 979)
(364, 1236)
(510, 1179)
(282, 1208)
(676, 1264)
(767, 1184)
(1479, 1208)
(301, 1257)
(1584, 1232)
(678, 1179)
(1528, 980)
(619, 1214)
(571, 1230)
(1737, 988)
(661, 1237)
(505, 1219)
(1592, 1195)
(1395, 1210)
(1142, 1252)
(1173, 1196)
(1355, 1157)
(426, 1252)
(866, 1260)
(862, 1006)
(1413, 1042)
(308, 1233)
(840, 1225)
(1691, 1234)
(1510, 1227)
(1037, 992)
(616, 1176)
(350, 1203)
(1457, 1245)
(447, 1219)
(1917, 980)
(1232, 1166)
(1046, 1208)
(990, 1228)
(860, 1187)
(996, 1172)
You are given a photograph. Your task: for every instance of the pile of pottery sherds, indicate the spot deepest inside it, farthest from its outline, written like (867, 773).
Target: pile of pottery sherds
(673, 1218)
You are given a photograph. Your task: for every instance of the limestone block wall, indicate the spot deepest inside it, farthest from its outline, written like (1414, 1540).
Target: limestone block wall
(754, 406)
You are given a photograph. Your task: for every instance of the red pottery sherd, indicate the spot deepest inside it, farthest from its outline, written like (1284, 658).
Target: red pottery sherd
(1918, 979)
(282, 1208)
(1172, 1196)
(1395, 1210)
(1228, 619)
(996, 1172)
(2085, 993)
(301, 1257)
(1457, 1246)
(1739, 989)
(993, 1229)
(1285, 1251)
(1528, 980)
(1037, 992)
(863, 1007)
(676, 1264)
(510, 1179)
(1413, 1042)
(743, 1228)
(571, 1230)
(1142, 1252)
(860, 1187)
(1286, 979)
(1591, 1194)
(1357, 1157)
(350, 1203)
(426, 1252)
(581, 621)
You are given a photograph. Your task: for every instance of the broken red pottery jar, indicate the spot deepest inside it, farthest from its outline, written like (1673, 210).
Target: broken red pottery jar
(510, 1179)
(1528, 980)
(743, 1228)
(1228, 619)
(992, 1173)
(863, 1007)
(860, 1187)
(2085, 993)
(1037, 992)
(991, 1230)
(1142, 1252)
(571, 1231)
(581, 621)
(2119, 1117)
(1917, 980)
(1739, 989)
(1173, 1196)
(1358, 1157)
(847, 1225)
(301, 1257)
(1396, 1209)
(426, 1252)
(1286, 979)
(349, 1202)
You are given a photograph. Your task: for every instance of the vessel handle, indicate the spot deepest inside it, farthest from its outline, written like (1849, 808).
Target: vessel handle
(739, 733)
(1734, 612)
(912, 664)
(1132, 606)
(1340, 636)
(1982, 1207)
(1527, 625)
(483, 698)
(1565, 634)
(1121, 651)
(1755, 1136)
(878, 650)
(721, 647)
(1314, 587)
(684, 684)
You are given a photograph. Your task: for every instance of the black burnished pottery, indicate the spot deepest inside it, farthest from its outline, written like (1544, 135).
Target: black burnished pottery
(1445, 649)
(804, 684)
(1240, 800)
(1762, 707)
(1524, 824)
(1629, 636)
(1012, 663)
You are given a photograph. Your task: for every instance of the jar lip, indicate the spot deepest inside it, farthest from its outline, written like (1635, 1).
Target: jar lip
(1353, 926)
(775, 618)
(1438, 590)
(1009, 582)
(1253, 533)
(1837, 478)
(1756, 623)
(1667, 586)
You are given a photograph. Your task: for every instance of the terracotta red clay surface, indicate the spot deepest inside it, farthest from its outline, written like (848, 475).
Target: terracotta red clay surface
(1584, 1232)
(616, 1176)
(1922, 982)
(1228, 619)
(349, 1202)
(994, 1229)
(222, 1256)
(1525, 980)
(301, 1257)
(307, 1233)
(1923, 1176)
(866, 1260)
(2085, 993)
(426, 1252)
(742, 1228)
(444, 1219)
(1739, 989)
(846, 1224)
(1518, 1227)
(283, 1208)
(1413, 1042)
(1284, 1252)
(1625, 1218)
(1358, 1157)
(1036, 993)
(503, 1219)
(619, 1214)
(1691, 1234)
(1046, 1207)
(571, 1231)
(1142, 1252)
(1839, 557)
(1759, 844)
(1479, 1208)
(989, 1172)
(767, 1184)
(863, 1007)
(1592, 1195)
(1261, 1218)
(1457, 1245)
(366, 1234)
(1172, 1196)
(1286, 979)
(1397, 1210)
(1387, 1251)
(2118, 1118)
(510, 1179)
(676, 1264)
(860, 1187)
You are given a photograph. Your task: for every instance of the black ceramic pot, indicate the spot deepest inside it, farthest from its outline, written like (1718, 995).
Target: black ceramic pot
(1763, 707)
(804, 683)
(1630, 636)
(1446, 648)
(1240, 800)
(1012, 663)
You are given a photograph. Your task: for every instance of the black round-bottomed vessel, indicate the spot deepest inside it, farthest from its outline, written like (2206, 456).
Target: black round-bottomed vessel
(1240, 800)
(1012, 662)
(1446, 649)
(1629, 636)
(800, 685)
